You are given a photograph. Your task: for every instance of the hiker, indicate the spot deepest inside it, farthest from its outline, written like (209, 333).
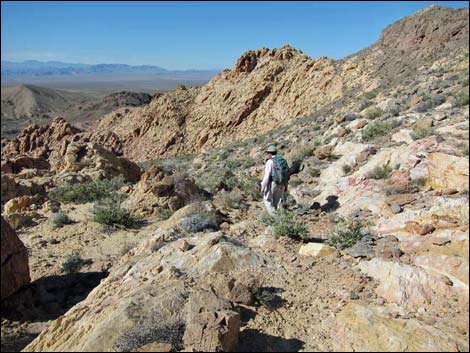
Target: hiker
(274, 184)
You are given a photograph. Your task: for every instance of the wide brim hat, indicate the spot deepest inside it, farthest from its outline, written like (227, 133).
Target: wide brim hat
(271, 149)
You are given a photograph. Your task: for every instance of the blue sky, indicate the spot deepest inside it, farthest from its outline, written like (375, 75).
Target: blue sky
(199, 35)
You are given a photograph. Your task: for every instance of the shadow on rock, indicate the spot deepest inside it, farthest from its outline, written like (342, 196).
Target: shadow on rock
(331, 204)
(268, 297)
(50, 297)
(255, 341)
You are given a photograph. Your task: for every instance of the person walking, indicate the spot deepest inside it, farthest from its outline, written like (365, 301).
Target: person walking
(275, 180)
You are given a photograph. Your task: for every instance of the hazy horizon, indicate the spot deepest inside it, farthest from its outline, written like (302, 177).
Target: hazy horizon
(191, 35)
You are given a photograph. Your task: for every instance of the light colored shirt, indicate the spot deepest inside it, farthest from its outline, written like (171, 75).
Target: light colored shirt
(267, 175)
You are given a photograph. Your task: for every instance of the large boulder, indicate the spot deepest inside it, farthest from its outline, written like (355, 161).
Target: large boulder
(15, 268)
(93, 160)
(158, 189)
(159, 293)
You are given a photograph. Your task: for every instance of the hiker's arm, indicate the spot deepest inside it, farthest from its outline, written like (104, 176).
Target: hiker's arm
(267, 175)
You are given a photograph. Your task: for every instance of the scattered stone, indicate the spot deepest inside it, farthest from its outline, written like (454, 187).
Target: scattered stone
(395, 208)
(354, 296)
(317, 250)
(363, 248)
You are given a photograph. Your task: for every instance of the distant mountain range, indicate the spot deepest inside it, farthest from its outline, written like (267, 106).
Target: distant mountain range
(13, 71)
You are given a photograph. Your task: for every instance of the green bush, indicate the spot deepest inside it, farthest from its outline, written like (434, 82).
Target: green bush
(347, 232)
(375, 129)
(346, 169)
(315, 172)
(60, 219)
(420, 133)
(304, 152)
(284, 224)
(380, 172)
(232, 199)
(371, 94)
(164, 214)
(73, 264)
(461, 99)
(249, 185)
(109, 212)
(89, 192)
(373, 112)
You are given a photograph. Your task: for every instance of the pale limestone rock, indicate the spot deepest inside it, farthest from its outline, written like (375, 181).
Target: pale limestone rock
(317, 250)
(361, 328)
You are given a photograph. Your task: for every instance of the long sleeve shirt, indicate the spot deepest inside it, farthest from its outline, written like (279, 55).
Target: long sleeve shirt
(267, 175)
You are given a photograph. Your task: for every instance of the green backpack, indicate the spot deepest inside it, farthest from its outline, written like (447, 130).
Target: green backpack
(280, 170)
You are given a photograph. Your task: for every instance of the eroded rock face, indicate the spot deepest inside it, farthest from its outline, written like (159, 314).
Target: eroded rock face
(96, 162)
(409, 286)
(15, 269)
(242, 102)
(39, 141)
(161, 294)
(161, 190)
(361, 328)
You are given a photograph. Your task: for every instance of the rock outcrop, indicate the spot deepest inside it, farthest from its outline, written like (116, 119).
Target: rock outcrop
(159, 190)
(15, 268)
(159, 293)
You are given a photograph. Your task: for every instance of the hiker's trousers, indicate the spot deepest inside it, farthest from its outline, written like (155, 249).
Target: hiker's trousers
(274, 197)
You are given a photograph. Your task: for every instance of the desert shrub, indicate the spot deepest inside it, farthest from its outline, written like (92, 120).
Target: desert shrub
(152, 327)
(60, 219)
(420, 133)
(233, 164)
(200, 221)
(371, 94)
(164, 214)
(375, 129)
(285, 225)
(423, 106)
(437, 99)
(373, 112)
(248, 162)
(380, 172)
(295, 182)
(109, 212)
(461, 99)
(315, 172)
(250, 186)
(347, 232)
(73, 264)
(346, 169)
(464, 148)
(89, 192)
(126, 247)
(304, 152)
(232, 199)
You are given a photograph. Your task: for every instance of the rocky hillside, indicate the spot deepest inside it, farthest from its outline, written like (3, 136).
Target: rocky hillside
(176, 254)
(271, 88)
(26, 104)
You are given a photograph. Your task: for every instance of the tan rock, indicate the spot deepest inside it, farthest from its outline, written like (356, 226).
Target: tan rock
(317, 250)
(323, 152)
(20, 204)
(150, 288)
(15, 268)
(448, 172)
(408, 286)
(156, 347)
(361, 328)
(423, 124)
